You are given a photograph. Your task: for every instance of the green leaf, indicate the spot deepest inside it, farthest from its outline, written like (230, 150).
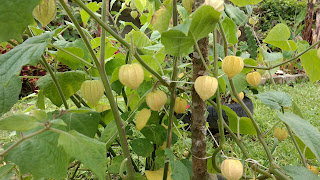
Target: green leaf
(188, 165)
(251, 62)
(176, 43)
(299, 172)
(311, 63)
(246, 126)
(109, 134)
(230, 29)
(140, 40)
(203, 22)
(40, 100)
(40, 156)
(296, 110)
(239, 81)
(93, 6)
(180, 171)
(242, 3)
(112, 64)
(29, 52)
(237, 15)
(278, 36)
(88, 151)
(84, 123)
(169, 153)
(79, 43)
(70, 82)
(142, 147)
(9, 94)
(69, 60)
(6, 169)
(144, 87)
(273, 56)
(155, 133)
(15, 17)
(114, 168)
(308, 153)
(308, 134)
(275, 99)
(161, 19)
(21, 122)
(251, 41)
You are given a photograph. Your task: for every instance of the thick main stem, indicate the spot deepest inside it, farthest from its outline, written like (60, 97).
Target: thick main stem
(113, 104)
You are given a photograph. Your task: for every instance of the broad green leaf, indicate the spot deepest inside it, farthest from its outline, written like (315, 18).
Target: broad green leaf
(188, 165)
(176, 43)
(69, 60)
(155, 133)
(230, 29)
(296, 110)
(187, 4)
(237, 15)
(40, 156)
(79, 43)
(84, 123)
(15, 17)
(203, 22)
(29, 52)
(69, 81)
(169, 153)
(144, 87)
(9, 94)
(109, 134)
(93, 6)
(117, 87)
(307, 133)
(308, 153)
(6, 169)
(140, 4)
(21, 122)
(242, 3)
(183, 13)
(161, 19)
(88, 151)
(114, 168)
(180, 171)
(278, 36)
(311, 63)
(142, 146)
(239, 81)
(246, 126)
(299, 173)
(40, 100)
(251, 62)
(273, 56)
(112, 64)
(275, 99)
(41, 115)
(140, 40)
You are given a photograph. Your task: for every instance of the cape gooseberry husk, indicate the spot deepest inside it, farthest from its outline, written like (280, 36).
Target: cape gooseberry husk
(131, 75)
(313, 169)
(206, 86)
(45, 12)
(253, 78)
(218, 5)
(134, 14)
(157, 174)
(180, 105)
(142, 118)
(239, 33)
(280, 133)
(156, 100)
(232, 65)
(232, 169)
(92, 91)
(241, 95)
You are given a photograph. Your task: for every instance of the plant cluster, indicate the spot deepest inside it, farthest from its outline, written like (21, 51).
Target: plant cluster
(117, 102)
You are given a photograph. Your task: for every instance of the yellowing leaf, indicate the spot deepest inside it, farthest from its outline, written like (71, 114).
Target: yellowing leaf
(157, 175)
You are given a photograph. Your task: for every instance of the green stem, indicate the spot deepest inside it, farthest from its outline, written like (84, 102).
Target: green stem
(284, 62)
(173, 95)
(122, 41)
(266, 133)
(171, 113)
(113, 104)
(73, 55)
(75, 101)
(255, 125)
(218, 107)
(3, 153)
(55, 81)
(225, 41)
(81, 100)
(297, 146)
